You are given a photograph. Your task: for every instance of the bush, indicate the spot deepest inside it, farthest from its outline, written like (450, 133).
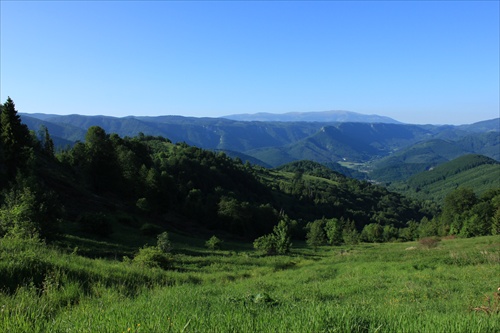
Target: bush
(279, 242)
(429, 242)
(163, 243)
(213, 243)
(143, 205)
(29, 212)
(266, 243)
(153, 257)
(23, 261)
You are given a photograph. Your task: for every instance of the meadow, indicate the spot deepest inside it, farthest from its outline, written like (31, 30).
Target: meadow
(390, 287)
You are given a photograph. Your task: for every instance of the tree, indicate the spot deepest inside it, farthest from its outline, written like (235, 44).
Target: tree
(410, 232)
(47, 142)
(389, 233)
(428, 228)
(282, 235)
(455, 204)
(315, 233)
(235, 215)
(163, 242)
(278, 242)
(350, 233)
(333, 229)
(14, 136)
(495, 222)
(372, 233)
(29, 210)
(102, 163)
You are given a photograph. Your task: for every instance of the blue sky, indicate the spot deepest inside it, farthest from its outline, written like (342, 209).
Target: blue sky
(417, 62)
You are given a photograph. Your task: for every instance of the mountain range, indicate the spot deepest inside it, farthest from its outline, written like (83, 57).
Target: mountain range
(318, 116)
(389, 150)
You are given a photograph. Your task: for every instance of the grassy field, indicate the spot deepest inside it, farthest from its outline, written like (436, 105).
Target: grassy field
(392, 287)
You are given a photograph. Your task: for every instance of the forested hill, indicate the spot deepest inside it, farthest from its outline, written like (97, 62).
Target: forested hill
(174, 185)
(477, 172)
(150, 184)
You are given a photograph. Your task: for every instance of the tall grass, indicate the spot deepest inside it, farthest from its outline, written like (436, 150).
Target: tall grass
(397, 287)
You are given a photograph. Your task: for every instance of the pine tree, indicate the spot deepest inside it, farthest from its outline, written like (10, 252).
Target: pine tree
(14, 136)
(47, 142)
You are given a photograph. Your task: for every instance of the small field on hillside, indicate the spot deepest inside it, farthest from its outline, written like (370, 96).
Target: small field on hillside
(392, 287)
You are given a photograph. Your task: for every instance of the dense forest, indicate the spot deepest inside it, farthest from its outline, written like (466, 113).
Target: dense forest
(153, 185)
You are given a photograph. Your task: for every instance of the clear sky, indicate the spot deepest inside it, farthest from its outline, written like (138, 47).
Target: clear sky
(418, 62)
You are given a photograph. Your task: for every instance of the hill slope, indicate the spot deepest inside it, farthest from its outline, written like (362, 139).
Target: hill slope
(477, 172)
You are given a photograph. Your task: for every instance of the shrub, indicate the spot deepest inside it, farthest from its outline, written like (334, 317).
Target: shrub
(29, 212)
(143, 205)
(163, 243)
(214, 243)
(429, 242)
(266, 243)
(279, 242)
(152, 256)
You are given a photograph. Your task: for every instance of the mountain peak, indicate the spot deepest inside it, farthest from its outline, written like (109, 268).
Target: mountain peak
(314, 116)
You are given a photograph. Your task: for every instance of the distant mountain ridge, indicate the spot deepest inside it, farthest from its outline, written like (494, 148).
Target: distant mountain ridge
(391, 151)
(315, 116)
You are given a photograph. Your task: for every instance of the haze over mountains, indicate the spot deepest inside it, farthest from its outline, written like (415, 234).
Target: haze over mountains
(319, 116)
(389, 150)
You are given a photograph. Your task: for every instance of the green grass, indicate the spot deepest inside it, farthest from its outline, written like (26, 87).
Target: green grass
(394, 287)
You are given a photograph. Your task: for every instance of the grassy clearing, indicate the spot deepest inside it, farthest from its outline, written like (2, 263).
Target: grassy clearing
(394, 287)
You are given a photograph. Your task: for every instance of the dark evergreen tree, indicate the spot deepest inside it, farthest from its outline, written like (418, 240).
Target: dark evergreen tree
(14, 137)
(47, 142)
(102, 164)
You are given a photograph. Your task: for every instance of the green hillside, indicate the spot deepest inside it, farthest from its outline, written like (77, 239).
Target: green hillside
(476, 172)
(151, 182)
(411, 287)
(415, 159)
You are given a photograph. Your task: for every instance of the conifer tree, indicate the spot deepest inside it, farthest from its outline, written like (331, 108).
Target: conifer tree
(13, 137)
(47, 142)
